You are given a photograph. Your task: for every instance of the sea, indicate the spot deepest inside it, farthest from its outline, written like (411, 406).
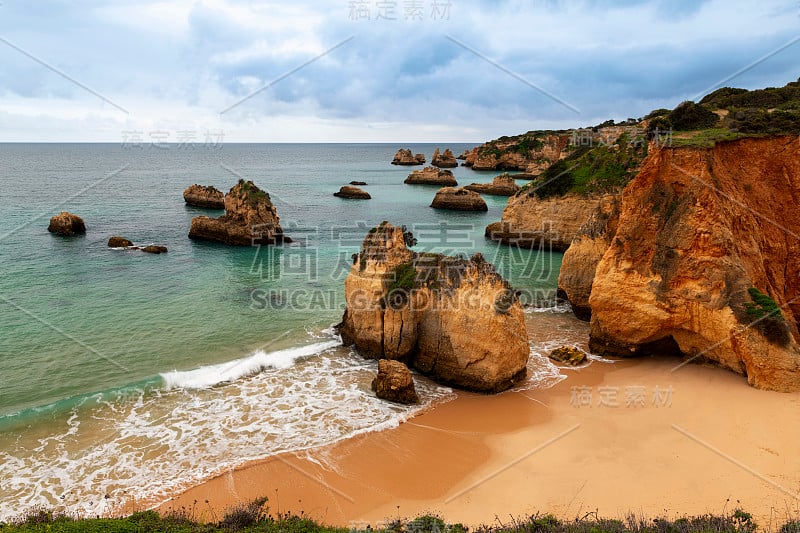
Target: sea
(127, 377)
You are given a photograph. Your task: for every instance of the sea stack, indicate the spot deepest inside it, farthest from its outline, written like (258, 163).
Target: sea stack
(431, 176)
(203, 196)
(405, 157)
(445, 159)
(455, 320)
(67, 224)
(458, 199)
(249, 219)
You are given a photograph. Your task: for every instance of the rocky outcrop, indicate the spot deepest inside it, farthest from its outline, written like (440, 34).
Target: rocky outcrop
(119, 242)
(67, 224)
(353, 193)
(444, 160)
(463, 155)
(551, 223)
(203, 196)
(455, 320)
(405, 157)
(395, 383)
(583, 255)
(470, 157)
(568, 355)
(502, 185)
(706, 244)
(250, 219)
(458, 199)
(431, 176)
(532, 152)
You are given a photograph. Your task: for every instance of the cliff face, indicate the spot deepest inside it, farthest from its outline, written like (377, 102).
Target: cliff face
(250, 218)
(698, 230)
(455, 320)
(551, 223)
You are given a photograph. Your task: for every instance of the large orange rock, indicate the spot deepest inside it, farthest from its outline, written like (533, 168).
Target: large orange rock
(444, 159)
(455, 320)
(203, 196)
(458, 199)
(698, 229)
(431, 176)
(502, 185)
(394, 382)
(249, 219)
(405, 157)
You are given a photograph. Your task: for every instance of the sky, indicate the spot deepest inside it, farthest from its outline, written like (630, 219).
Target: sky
(371, 70)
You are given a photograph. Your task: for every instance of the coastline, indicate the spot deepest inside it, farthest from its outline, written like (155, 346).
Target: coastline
(705, 447)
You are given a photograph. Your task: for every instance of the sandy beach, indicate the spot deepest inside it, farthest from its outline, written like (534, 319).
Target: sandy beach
(628, 436)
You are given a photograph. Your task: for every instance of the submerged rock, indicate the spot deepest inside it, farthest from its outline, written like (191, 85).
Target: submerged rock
(353, 193)
(459, 200)
(405, 157)
(119, 242)
(444, 160)
(431, 176)
(395, 383)
(154, 249)
(203, 196)
(249, 219)
(502, 185)
(455, 320)
(67, 224)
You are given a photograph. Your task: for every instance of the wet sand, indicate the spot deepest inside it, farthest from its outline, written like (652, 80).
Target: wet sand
(615, 438)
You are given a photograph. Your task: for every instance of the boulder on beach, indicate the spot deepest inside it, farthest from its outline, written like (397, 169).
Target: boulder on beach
(458, 199)
(119, 242)
(395, 383)
(431, 176)
(405, 157)
(353, 193)
(445, 159)
(67, 224)
(502, 185)
(454, 319)
(249, 219)
(203, 196)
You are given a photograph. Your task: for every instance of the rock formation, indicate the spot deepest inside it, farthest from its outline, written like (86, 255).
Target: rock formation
(470, 157)
(353, 193)
(249, 219)
(706, 243)
(455, 320)
(444, 160)
(431, 176)
(405, 157)
(531, 152)
(458, 199)
(67, 224)
(587, 249)
(464, 155)
(394, 383)
(358, 183)
(502, 185)
(119, 242)
(552, 223)
(202, 196)
(568, 355)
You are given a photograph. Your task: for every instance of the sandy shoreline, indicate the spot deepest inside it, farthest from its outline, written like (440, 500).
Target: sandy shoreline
(699, 440)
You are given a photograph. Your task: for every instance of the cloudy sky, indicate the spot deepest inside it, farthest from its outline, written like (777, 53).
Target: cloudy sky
(372, 70)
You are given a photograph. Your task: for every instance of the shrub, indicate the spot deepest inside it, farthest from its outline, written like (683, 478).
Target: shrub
(766, 317)
(690, 116)
(245, 515)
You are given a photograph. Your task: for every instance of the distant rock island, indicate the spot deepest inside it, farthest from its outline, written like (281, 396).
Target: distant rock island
(502, 185)
(405, 157)
(458, 199)
(445, 159)
(249, 219)
(431, 176)
(353, 193)
(455, 320)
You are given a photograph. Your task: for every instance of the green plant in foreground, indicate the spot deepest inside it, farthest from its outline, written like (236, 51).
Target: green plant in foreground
(761, 306)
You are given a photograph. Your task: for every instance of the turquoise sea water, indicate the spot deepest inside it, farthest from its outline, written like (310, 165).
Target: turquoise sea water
(130, 375)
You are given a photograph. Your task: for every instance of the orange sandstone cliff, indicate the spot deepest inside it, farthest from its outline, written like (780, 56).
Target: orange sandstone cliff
(683, 264)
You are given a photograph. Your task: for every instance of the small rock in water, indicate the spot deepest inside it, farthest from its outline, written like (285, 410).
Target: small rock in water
(119, 242)
(568, 355)
(394, 382)
(153, 249)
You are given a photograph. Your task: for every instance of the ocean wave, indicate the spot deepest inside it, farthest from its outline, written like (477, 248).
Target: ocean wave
(212, 375)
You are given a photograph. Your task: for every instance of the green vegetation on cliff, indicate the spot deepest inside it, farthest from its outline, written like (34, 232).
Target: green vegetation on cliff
(254, 517)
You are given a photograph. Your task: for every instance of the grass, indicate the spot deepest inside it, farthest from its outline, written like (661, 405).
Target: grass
(254, 517)
(706, 138)
(765, 315)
